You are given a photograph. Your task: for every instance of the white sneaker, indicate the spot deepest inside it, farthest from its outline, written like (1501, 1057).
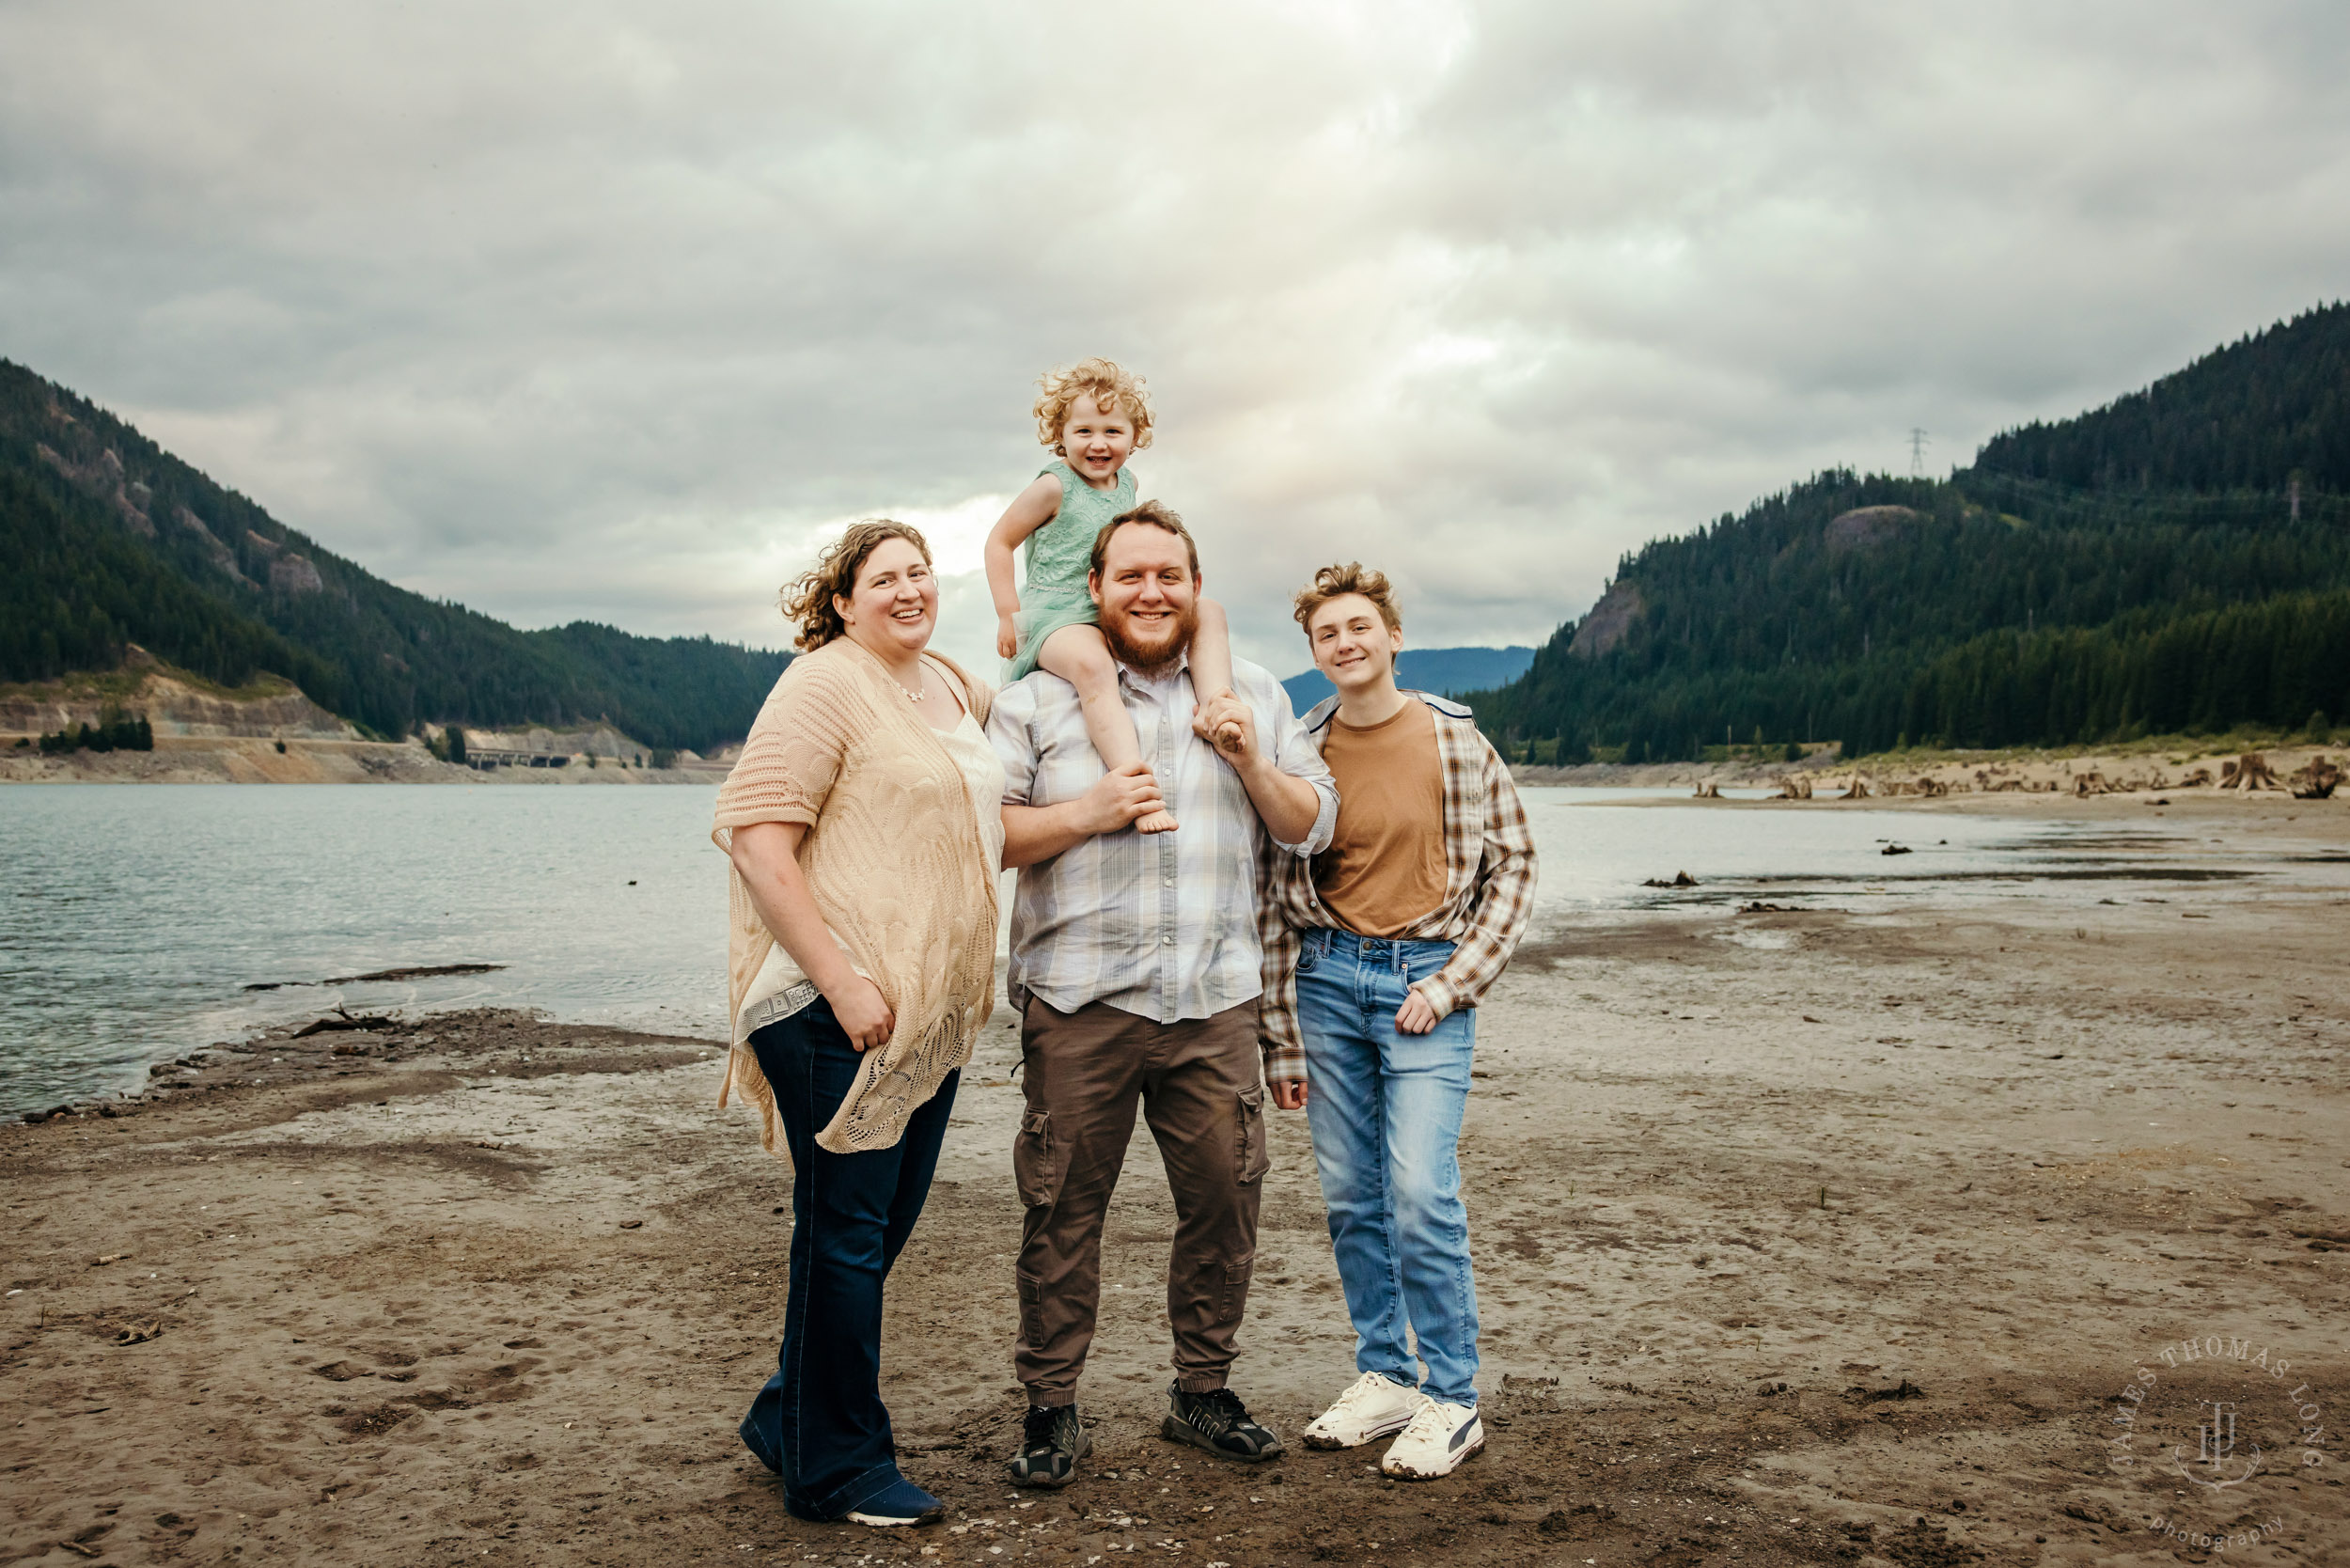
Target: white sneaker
(1441, 1435)
(1375, 1406)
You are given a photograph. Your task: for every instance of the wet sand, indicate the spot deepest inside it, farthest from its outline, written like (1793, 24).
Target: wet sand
(1810, 1237)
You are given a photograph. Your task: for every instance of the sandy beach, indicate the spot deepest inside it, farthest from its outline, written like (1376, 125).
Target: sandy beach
(1810, 1237)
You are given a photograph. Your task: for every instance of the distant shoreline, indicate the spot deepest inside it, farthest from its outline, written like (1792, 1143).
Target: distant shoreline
(246, 759)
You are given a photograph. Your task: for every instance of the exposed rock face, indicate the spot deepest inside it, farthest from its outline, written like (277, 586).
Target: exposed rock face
(102, 478)
(278, 711)
(222, 557)
(1868, 525)
(293, 573)
(1610, 621)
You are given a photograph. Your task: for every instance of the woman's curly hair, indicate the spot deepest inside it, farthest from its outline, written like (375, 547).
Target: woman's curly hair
(1114, 390)
(808, 598)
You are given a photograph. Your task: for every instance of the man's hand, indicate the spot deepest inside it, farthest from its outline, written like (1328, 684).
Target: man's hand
(1006, 638)
(1289, 1093)
(1416, 1016)
(860, 1011)
(1230, 725)
(1121, 795)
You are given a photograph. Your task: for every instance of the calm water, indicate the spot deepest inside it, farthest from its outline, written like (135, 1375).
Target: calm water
(132, 918)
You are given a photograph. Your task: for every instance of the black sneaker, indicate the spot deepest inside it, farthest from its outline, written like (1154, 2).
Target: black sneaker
(1218, 1422)
(1052, 1440)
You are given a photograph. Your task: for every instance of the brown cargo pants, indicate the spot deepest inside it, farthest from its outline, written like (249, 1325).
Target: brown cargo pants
(1201, 1084)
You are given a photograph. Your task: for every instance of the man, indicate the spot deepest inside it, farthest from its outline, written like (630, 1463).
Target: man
(1381, 948)
(1136, 965)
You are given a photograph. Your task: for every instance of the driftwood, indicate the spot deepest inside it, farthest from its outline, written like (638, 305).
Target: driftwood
(2315, 780)
(2197, 779)
(2092, 783)
(1708, 791)
(343, 1020)
(2250, 773)
(1794, 787)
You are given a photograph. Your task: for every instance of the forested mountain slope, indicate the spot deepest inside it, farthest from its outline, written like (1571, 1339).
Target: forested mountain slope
(107, 540)
(2171, 561)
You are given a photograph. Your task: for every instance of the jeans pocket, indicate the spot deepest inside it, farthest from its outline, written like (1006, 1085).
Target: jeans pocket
(1036, 1160)
(1311, 947)
(1253, 1159)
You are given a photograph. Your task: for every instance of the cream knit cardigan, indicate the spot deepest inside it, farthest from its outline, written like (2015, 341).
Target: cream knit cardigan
(893, 858)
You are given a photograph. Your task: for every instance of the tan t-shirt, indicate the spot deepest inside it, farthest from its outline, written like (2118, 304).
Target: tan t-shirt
(1385, 864)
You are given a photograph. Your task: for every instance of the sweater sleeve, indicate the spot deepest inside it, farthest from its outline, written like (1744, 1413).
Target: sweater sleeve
(796, 749)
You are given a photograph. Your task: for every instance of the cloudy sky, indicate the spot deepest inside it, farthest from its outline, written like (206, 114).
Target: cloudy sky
(588, 309)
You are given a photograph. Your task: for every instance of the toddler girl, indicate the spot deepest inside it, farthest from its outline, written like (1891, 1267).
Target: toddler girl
(1094, 416)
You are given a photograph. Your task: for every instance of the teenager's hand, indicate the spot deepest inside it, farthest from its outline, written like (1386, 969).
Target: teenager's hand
(1006, 638)
(1416, 1016)
(860, 1011)
(1289, 1093)
(1122, 795)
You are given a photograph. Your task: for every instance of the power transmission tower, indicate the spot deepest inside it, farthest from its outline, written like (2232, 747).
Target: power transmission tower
(1917, 442)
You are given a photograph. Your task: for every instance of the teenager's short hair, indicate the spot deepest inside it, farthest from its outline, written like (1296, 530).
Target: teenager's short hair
(1158, 514)
(808, 598)
(1112, 388)
(1336, 582)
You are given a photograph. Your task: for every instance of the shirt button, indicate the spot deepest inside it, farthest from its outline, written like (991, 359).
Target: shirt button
(1170, 882)
(1168, 940)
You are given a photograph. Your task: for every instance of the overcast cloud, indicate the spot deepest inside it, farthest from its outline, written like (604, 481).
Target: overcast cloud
(614, 310)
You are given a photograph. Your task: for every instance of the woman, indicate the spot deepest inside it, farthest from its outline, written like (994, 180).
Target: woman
(865, 824)
(1377, 952)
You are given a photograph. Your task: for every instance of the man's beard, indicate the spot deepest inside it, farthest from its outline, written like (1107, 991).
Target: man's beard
(1153, 658)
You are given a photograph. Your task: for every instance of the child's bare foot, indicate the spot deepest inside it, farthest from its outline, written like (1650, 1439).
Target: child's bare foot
(1160, 821)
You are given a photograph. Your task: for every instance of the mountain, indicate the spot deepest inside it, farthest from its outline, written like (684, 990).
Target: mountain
(2176, 561)
(106, 539)
(1446, 671)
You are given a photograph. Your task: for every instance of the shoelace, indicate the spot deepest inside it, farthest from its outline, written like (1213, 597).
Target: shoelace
(1040, 1427)
(1367, 1387)
(1224, 1409)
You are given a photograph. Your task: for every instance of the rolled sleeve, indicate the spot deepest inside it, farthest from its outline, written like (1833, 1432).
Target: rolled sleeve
(1295, 754)
(1009, 732)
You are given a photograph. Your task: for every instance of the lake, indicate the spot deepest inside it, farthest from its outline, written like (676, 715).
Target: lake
(135, 918)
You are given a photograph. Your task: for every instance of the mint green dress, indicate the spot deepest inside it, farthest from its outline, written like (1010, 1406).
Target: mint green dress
(1061, 554)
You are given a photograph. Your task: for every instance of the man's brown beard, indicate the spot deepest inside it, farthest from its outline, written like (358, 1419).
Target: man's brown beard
(1151, 661)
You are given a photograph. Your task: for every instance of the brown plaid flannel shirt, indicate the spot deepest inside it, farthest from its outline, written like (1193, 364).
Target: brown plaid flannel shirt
(1489, 887)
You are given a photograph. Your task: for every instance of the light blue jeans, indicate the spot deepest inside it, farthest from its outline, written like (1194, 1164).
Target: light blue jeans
(1386, 1110)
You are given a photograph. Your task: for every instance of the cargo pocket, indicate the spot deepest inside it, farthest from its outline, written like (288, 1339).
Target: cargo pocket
(1253, 1157)
(1232, 1299)
(1031, 1309)
(1036, 1162)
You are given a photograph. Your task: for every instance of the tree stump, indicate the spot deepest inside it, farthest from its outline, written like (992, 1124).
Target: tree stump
(2248, 774)
(2315, 780)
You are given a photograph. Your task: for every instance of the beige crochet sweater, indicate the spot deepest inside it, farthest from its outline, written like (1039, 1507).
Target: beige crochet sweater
(893, 858)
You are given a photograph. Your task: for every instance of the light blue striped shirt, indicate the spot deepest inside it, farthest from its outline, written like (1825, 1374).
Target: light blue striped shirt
(1160, 925)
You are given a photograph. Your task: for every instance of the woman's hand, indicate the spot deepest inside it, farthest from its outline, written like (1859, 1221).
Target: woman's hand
(863, 1016)
(1006, 638)
(1415, 1016)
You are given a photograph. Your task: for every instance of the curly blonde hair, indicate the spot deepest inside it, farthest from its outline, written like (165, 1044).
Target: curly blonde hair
(1113, 389)
(1336, 582)
(808, 598)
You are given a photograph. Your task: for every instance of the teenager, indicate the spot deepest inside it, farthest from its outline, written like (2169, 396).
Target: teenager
(1377, 952)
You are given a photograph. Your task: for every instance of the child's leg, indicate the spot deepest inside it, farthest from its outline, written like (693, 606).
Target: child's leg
(1078, 656)
(1211, 670)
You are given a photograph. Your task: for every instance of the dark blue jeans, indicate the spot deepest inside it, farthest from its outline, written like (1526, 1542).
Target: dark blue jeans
(819, 1423)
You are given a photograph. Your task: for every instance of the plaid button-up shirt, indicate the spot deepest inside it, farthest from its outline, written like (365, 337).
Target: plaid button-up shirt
(1161, 925)
(1489, 887)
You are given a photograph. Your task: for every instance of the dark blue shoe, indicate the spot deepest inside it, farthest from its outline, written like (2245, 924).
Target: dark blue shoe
(901, 1502)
